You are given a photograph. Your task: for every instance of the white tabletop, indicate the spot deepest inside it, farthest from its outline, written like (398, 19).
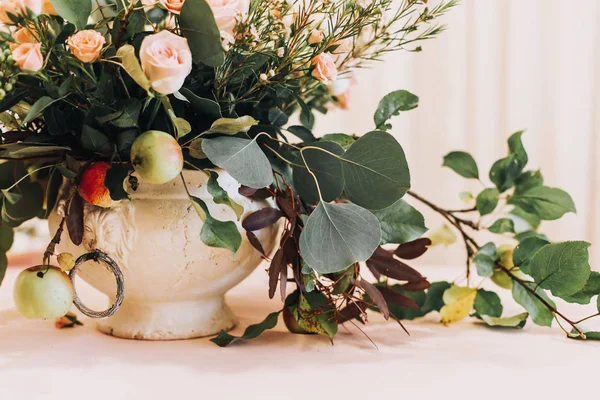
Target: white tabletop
(463, 361)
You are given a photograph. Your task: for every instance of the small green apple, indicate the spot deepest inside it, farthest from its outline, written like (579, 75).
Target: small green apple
(157, 157)
(43, 292)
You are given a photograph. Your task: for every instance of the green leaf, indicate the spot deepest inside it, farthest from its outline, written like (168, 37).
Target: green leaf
(132, 66)
(533, 221)
(115, 181)
(95, 141)
(197, 24)
(485, 259)
(487, 201)
(27, 150)
(488, 303)
(302, 133)
(252, 332)
(232, 126)
(52, 191)
(38, 107)
(517, 321)
(503, 225)
(562, 268)
(525, 251)
(375, 170)
(589, 334)
(327, 169)
(391, 105)
(129, 114)
(338, 235)
(400, 223)
(315, 315)
(540, 314)
(515, 147)
(217, 233)
(462, 163)
(591, 289)
(242, 158)
(205, 106)
(346, 141)
(547, 203)
(505, 172)
(220, 196)
(75, 11)
(528, 180)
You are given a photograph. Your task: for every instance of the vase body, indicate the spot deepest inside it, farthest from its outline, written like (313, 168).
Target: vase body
(175, 285)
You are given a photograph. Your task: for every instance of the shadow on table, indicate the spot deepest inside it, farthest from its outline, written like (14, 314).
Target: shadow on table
(25, 343)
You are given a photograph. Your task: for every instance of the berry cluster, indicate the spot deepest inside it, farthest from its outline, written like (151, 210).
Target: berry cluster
(8, 72)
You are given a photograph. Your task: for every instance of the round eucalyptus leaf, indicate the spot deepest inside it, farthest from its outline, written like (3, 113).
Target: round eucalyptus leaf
(242, 158)
(337, 235)
(375, 170)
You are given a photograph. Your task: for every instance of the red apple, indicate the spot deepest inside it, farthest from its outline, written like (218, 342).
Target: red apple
(92, 188)
(43, 292)
(157, 157)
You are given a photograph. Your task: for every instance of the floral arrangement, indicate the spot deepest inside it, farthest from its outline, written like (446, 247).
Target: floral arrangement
(111, 95)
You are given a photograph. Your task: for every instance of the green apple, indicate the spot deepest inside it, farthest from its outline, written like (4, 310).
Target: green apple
(43, 292)
(156, 157)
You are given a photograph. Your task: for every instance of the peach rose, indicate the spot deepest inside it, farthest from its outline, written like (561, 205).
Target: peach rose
(86, 45)
(22, 35)
(316, 37)
(48, 8)
(166, 60)
(173, 6)
(29, 56)
(342, 88)
(325, 69)
(17, 8)
(227, 13)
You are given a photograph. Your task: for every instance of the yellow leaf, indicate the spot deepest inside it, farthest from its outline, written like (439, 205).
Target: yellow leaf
(443, 236)
(183, 127)
(132, 66)
(458, 303)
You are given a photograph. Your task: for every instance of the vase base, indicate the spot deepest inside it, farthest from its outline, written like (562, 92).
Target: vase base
(169, 321)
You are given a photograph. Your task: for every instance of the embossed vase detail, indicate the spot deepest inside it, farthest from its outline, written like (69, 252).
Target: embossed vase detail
(175, 285)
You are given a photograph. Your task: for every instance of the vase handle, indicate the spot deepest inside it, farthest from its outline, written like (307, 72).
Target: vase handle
(96, 256)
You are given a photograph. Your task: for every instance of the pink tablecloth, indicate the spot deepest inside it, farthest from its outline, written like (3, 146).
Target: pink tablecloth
(462, 361)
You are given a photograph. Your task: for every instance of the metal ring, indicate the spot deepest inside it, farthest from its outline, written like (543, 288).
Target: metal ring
(112, 265)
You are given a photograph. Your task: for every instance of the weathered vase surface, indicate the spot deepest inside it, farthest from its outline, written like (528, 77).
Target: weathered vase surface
(175, 285)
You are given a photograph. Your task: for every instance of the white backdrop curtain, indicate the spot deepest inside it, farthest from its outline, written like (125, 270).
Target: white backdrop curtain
(502, 66)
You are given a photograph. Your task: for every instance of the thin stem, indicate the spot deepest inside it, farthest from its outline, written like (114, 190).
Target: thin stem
(586, 318)
(312, 174)
(29, 174)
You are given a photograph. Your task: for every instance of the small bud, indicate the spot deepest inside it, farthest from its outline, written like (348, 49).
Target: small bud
(2, 94)
(8, 87)
(264, 77)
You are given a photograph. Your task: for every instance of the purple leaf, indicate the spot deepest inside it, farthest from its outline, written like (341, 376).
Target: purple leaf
(261, 219)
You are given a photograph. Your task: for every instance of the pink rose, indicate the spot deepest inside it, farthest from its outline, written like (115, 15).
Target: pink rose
(173, 6)
(316, 37)
(227, 13)
(18, 8)
(325, 69)
(86, 45)
(48, 8)
(29, 56)
(22, 35)
(166, 60)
